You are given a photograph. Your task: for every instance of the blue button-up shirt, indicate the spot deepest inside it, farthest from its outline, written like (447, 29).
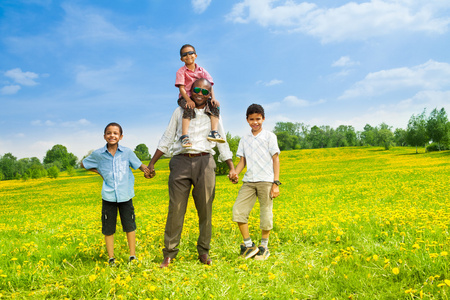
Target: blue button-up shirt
(118, 179)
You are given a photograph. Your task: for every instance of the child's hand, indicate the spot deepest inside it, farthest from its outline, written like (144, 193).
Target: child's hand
(149, 173)
(215, 103)
(275, 191)
(234, 178)
(190, 104)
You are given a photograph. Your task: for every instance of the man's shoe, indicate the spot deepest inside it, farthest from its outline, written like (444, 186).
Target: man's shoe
(248, 252)
(263, 253)
(166, 262)
(204, 259)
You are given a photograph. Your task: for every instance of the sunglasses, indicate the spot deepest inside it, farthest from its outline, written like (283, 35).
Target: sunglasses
(187, 53)
(198, 90)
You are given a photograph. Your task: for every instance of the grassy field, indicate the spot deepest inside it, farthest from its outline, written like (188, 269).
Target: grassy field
(351, 223)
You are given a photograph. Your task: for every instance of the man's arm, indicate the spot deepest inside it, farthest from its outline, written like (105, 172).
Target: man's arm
(151, 166)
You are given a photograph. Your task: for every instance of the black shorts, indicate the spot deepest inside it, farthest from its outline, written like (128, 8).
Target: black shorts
(109, 216)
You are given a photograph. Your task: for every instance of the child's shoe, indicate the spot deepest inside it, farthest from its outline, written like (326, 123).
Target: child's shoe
(132, 259)
(185, 142)
(263, 253)
(214, 136)
(248, 252)
(112, 261)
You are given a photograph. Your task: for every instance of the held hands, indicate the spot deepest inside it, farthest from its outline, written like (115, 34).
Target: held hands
(234, 178)
(149, 172)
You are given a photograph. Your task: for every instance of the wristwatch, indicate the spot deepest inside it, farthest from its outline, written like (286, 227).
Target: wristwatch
(277, 182)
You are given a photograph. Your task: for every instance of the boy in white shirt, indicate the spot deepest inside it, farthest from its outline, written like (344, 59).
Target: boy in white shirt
(258, 151)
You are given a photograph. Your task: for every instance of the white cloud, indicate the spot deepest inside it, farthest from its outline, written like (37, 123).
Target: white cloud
(270, 83)
(103, 79)
(431, 75)
(294, 101)
(10, 89)
(344, 61)
(88, 24)
(351, 21)
(23, 78)
(200, 5)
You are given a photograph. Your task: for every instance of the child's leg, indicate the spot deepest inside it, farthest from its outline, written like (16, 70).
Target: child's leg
(265, 238)
(131, 238)
(243, 227)
(214, 123)
(109, 241)
(185, 125)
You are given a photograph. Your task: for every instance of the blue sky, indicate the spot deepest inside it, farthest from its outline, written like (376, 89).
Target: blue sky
(67, 68)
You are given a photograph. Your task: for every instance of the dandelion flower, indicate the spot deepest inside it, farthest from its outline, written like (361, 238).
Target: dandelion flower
(396, 271)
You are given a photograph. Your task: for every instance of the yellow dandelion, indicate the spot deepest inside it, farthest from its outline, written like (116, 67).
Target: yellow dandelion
(396, 271)
(447, 282)
(444, 253)
(375, 257)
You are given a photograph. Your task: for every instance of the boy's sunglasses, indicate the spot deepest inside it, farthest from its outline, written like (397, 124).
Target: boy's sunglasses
(198, 90)
(187, 53)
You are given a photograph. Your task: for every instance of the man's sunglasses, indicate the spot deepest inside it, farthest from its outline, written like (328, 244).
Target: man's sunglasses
(187, 53)
(198, 90)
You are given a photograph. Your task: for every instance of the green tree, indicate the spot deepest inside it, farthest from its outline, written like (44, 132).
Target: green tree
(368, 136)
(9, 166)
(221, 166)
(141, 152)
(400, 137)
(437, 127)
(288, 134)
(60, 154)
(416, 132)
(384, 136)
(53, 172)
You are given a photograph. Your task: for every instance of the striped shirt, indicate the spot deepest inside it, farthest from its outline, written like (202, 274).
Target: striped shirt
(258, 151)
(199, 128)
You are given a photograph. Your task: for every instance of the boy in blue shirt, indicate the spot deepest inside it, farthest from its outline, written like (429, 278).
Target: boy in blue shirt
(112, 162)
(259, 151)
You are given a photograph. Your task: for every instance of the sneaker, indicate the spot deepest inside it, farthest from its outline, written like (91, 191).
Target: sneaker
(112, 261)
(132, 259)
(185, 142)
(263, 253)
(248, 252)
(214, 136)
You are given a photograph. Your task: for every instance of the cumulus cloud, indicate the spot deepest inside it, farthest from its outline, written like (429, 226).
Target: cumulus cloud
(351, 21)
(10, 89)
(431, 75)
(344, 61)
(294, 101)
(22, 78)
(270, 83)
(200, 5)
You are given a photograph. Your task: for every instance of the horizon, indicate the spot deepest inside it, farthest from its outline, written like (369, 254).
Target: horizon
(69, 68)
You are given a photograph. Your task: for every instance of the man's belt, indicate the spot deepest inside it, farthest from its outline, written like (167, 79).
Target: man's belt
(195, 154)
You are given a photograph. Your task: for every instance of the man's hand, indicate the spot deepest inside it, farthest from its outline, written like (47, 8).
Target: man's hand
(234, 178)
(149, 172)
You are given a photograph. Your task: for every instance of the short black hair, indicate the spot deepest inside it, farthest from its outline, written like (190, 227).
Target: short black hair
(114, 124)
(185, 46)
(255, 109)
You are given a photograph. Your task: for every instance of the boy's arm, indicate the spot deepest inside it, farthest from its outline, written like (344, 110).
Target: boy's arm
(214, 101)
(234, 176)
(275, 192)
(190, 103)
(144, 169)
(92, 170)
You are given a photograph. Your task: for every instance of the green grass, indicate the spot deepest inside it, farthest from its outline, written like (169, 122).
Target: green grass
(346, 220)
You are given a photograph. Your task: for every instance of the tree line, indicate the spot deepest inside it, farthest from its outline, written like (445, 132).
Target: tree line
(420, 131)
(56, 160)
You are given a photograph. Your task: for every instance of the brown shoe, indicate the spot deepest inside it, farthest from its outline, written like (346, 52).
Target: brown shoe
(204, 259)
(166, 262)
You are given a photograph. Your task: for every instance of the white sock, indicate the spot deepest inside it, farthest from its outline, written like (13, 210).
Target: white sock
(248, 242)
(265, 242)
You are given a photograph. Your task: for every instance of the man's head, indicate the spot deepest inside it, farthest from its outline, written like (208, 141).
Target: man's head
(201, 92)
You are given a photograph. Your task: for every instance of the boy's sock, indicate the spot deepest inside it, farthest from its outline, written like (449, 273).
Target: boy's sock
(265, 242)
(248, 242)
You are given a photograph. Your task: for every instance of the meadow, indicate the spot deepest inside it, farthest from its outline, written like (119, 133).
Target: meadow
(350, 223)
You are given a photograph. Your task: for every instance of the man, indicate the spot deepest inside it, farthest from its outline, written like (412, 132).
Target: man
(193, 166)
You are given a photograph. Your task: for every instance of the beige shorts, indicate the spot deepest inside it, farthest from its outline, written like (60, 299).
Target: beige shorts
(246, 199)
